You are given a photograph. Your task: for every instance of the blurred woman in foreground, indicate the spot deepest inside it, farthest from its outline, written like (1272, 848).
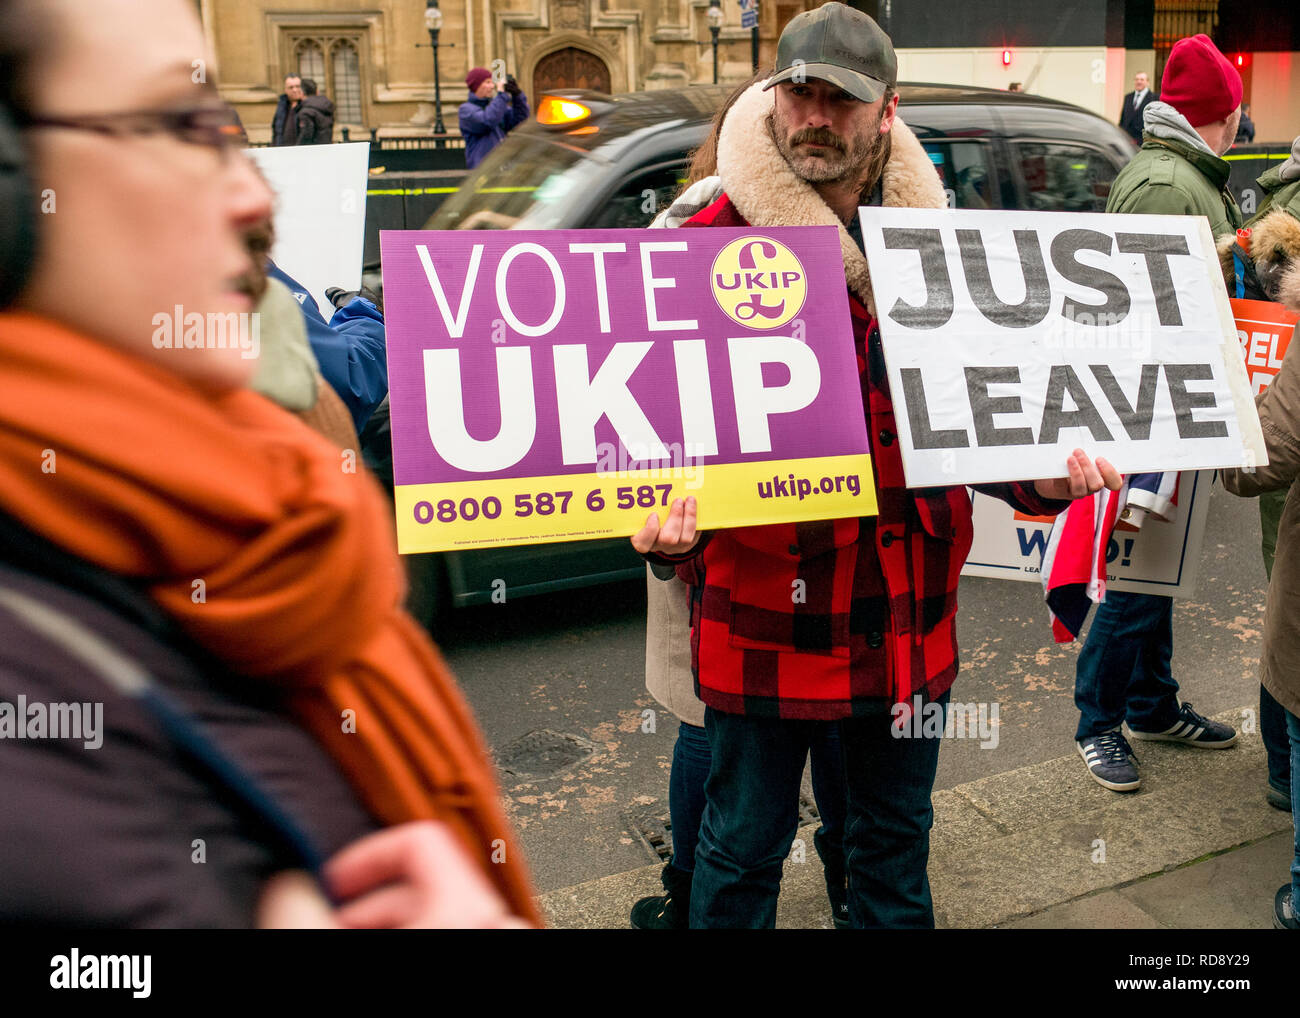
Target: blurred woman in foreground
(187, 571)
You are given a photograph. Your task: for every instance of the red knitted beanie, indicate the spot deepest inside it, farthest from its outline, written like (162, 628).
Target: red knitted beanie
(1199, 82)
(476, 77)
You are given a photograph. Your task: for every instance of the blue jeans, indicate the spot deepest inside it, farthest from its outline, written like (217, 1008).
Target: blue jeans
(1123, 671)
(752, 814)
(1273, 728)
(690, 771)
(691, 758)
(1293, 731)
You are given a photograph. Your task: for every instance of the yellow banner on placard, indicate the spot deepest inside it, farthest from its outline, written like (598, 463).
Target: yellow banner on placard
(463, 515)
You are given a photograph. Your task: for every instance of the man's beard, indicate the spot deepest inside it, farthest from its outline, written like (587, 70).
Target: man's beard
(849, 158)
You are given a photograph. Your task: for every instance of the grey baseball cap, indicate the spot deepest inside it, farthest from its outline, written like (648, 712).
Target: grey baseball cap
(838, 44)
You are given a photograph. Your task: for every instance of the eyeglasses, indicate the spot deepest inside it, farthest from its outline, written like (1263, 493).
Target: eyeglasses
(212, 126)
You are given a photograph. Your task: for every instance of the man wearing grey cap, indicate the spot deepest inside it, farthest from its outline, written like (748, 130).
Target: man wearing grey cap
(866, 640)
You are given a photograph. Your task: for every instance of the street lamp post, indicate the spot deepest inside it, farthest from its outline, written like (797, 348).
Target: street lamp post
(714, 18)
(753, 38)
(433, 22)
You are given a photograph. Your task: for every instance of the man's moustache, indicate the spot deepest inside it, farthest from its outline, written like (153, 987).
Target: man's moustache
(815, 137)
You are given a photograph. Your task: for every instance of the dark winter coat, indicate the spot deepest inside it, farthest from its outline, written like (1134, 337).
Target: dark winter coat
(316, 120)
(135, 832)
(285, 120)
(1245, 130)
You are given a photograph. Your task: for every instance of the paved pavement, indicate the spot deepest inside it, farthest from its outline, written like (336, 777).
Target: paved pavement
(573, 664)
(1044, 846)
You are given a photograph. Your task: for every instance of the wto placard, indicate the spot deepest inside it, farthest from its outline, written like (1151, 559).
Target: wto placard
(1012, 338)
(1162, 558)
(563, 385)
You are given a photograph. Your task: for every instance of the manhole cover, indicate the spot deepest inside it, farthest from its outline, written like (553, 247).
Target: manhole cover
(808, 813)
(543, 753)
(654, 832)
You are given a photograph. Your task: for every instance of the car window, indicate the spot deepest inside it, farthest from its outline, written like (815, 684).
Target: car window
(1064, 178)
(966, 174)
(640, 198)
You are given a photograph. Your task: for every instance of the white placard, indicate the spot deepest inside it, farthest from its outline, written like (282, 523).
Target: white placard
(1012, 338)
(1161, 558)
(320, 213)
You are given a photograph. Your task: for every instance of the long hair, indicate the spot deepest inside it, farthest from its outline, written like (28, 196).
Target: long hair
(704, 161)
(881, 156)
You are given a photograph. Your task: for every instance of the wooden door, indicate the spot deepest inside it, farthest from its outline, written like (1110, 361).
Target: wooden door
(570, 68)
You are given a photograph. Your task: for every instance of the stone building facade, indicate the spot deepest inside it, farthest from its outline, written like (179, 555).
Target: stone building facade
(374, 59)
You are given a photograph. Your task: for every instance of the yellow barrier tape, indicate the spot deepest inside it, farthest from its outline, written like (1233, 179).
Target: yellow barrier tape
(399, 192)
(1258, 155)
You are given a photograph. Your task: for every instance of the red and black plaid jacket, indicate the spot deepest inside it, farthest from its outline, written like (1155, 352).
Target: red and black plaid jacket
(875, 614)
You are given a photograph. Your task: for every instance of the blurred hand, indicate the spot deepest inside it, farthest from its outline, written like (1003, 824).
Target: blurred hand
(292, 901)
(412, 876)
(1085, 478)
(677, 536)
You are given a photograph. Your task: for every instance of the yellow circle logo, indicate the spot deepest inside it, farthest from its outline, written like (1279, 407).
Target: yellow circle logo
(758, 283)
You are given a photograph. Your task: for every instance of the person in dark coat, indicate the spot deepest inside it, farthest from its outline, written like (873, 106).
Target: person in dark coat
(284, 125)
(1135, 104)
(315, 116)
(493, 110)
(1246, 127)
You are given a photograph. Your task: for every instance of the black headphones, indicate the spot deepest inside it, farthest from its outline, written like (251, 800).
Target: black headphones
(17, 211)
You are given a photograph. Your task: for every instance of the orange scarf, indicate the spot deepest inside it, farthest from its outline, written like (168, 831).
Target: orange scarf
(155, 481)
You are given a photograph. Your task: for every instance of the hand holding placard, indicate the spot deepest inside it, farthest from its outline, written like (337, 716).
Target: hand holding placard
(1086, 477)
(677, 536)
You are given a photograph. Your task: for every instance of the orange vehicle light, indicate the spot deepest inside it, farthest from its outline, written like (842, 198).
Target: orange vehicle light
(553, 110)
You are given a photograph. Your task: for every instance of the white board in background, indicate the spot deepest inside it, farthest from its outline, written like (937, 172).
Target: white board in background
(320, 213)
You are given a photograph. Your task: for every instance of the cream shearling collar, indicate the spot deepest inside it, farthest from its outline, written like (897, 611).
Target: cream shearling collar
(766, 191)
